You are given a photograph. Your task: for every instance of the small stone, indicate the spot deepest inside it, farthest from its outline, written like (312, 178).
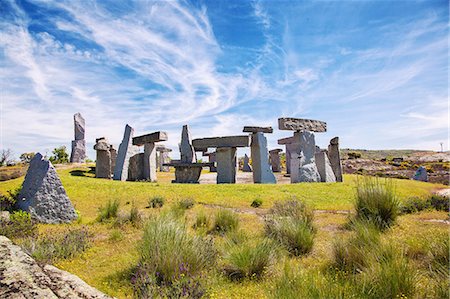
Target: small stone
(43, 195)
(421, 174)
(246, 164)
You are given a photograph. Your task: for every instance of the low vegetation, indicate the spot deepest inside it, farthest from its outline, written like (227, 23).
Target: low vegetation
(156, 202)
(109, 211)
(19, 225)
(225, 221)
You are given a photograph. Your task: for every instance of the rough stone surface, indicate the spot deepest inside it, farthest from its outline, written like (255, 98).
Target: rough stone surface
(262, 174)
(103, 159)
(226, 165)
(335, 158)
(43, 194)
(228, 141)
(150, 138)
(113, 153)
(290, 149)
(22, 277)
(212, 159)
(187, 152)
(78, 154)
(286, 140)
(250, 129)
(136, 167)
(300, 124)
(421, 174)
(187, 174)
(246, 165)
(150, 162)
(275, 161)
(324, 167)
(308, 170)
(126, 150)
(79, 126)
(163, 158)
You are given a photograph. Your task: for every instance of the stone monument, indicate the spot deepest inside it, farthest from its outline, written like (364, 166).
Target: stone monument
(149, 163)
(275, 161)
(126, 151)
(106, 158)
(246, 164)
(324, 167)
(78, 153)
(163, 158)
(335, 158)
(43, 195)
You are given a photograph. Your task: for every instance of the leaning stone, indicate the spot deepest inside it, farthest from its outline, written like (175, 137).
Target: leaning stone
(324, 167)
(136, 167)
(335, 158)
(421, 174)
(43, 194)
(262, 174)
(246, 165)
(300, 124)
(187, 152)
(79, 126)
(226, 165)
(126, 150)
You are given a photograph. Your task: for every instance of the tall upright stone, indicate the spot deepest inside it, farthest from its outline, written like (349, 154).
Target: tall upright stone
(226, 165)
(43, 195)
(148, 141)
(262, 174)
(126, 151)
(275, 161)
(163, 158)
(308, 171)
(187, 152)
(335, 158)
(78, 153)
(324, 167)
(103, 159)
(136, 167)
(290, 147)
(246, 164)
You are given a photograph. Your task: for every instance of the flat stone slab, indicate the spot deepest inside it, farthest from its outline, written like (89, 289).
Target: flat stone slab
(150, 138)
(249, 129)
(228, 141)
(287, 140)
(300, 124)
(204, 164)
(277, 150)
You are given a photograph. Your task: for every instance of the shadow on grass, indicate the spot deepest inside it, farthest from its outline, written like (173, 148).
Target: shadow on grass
(78, 172)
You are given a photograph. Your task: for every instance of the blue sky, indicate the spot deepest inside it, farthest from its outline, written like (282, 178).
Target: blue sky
(375, 71)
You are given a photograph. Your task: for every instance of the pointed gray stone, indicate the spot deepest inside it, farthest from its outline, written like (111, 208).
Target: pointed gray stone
(246, 165)
(324, 167)
(79, 126)
(126, 151)
(262, 174)
(186, 149)
(335, 158)
(43, 195)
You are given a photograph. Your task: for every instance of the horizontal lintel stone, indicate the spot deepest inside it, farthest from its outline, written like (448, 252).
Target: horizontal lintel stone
(228, 141)
(249, 129)
(207, 164)
(277, 150)
(287, 140)
(150, 138)
(300, 124)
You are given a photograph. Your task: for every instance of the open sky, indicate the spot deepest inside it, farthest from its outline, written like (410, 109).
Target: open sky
(375, 71)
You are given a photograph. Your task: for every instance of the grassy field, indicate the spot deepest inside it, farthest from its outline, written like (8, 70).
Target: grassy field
(109, 262)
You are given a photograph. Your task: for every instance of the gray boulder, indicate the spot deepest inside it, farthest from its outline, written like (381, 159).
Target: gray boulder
(421, 174)
(324, 167)
(43, 194)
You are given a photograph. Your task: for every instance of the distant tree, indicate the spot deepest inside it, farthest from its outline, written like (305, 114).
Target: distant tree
(26, 157)
(5, 156)
(60, 155)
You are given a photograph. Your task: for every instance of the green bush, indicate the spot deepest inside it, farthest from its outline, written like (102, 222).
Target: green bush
(115, 235)
(169, 251)
(439, 202)
(8, 201)
(49, 248)
(256, 203)
(20, 225)
(225, 221)
(108, 211)
(201, 221)
(60, 155)
(135, 217)
(249, 261)
(376, 202)
(186, 203)
(156, 202)
(414, 205)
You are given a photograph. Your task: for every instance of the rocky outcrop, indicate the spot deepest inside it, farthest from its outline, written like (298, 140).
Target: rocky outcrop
(22, 277)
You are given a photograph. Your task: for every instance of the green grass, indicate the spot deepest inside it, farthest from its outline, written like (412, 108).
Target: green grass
(112, 257)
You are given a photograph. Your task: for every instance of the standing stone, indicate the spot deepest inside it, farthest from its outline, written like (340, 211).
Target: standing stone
(113, 153)
(275, 161)
(212, 160)
(295, 162)
(43, 195)
(150, 162)
(324, 167)
(262, 173)
(186, 148)
(421, 174)
(103, 161)
(126, 150)
(335, 158)
(246, 165)
(308, 170)
(136, 167)
(163, 158)
(226, 165)
(78, 153)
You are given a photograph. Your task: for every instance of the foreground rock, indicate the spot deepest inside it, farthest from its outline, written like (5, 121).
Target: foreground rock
(43, 194)
(22, 277)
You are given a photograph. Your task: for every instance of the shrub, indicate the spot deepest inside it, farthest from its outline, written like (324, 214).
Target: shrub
(116, 235)
(413, 205)
(296, 236)
(186, 203)
(293, 208)
(439, 202)
(354, 155)
(169, 251)
(256, 203)
(20, 225)
(135, 217)
(109, 210)
(68, 244)
(60, 155)
(376, 202)
(225, 221)
(249, 261)
(156, 202)
(8, 201)
(201, 221)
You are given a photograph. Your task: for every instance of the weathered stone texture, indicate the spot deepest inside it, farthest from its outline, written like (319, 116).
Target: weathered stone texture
(126, 150)
(43, 195)
(78, 154)
(308, 170)
(275, 161)
(228, 141)
(187, 152)
(246, 164)
(150, 162)
(335, 158)
(324, 167)
(249, 129)
(421, 174)
(136, 167)
(262, 174)
(103, 160)
(226, 165)
(150, 138)
(79, 126)
(300, 124)
(22, 277)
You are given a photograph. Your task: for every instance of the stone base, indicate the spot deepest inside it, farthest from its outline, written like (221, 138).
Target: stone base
(78, 154)
(187, 173)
